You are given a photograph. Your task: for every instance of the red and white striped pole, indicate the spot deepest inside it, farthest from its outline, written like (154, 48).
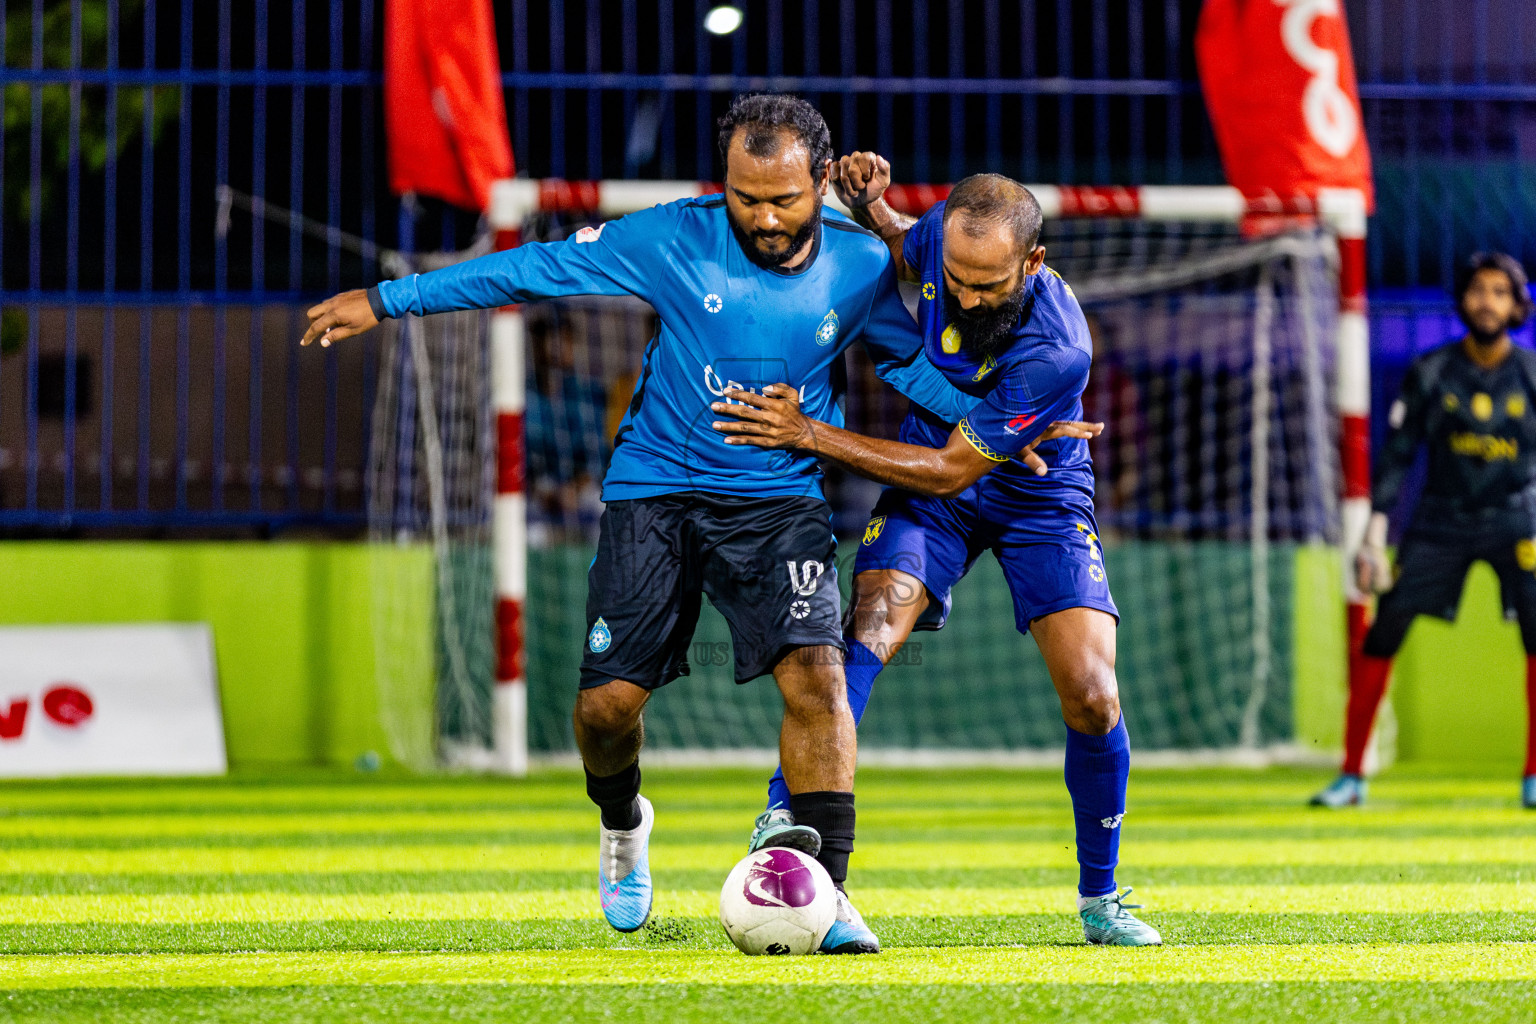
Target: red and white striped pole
(1344, 211)
(509, 524)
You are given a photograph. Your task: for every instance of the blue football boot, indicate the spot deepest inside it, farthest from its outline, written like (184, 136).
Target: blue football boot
(776, 827)
(624, 871)
(1344, 791)
(1107, 921)
(1528, 792)
(849, 933)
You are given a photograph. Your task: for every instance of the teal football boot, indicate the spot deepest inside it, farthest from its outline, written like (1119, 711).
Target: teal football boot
(776, 827)
(1344, 791)
(624, 871)
(849, 933)
(1107, 921)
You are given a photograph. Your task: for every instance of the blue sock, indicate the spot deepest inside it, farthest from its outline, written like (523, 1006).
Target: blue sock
(860, 670)
(1097, 770)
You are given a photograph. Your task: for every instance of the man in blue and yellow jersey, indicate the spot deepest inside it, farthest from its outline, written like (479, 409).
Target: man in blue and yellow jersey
(1006, 329)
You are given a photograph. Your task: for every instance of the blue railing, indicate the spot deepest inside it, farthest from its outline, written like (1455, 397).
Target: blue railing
(148, 373)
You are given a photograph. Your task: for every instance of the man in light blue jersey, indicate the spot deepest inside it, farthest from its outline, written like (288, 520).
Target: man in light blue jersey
(1006, 329)
(752, 287)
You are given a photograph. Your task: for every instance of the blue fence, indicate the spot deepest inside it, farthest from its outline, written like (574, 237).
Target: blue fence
(149, 376)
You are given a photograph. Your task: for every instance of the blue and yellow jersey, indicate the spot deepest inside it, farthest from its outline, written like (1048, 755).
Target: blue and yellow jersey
(1035, 380)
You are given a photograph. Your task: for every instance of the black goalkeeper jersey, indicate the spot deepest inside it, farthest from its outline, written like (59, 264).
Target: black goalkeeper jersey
(1480, 428)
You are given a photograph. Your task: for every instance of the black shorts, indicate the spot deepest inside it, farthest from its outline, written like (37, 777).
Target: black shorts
(1432, 571)
(767, 564)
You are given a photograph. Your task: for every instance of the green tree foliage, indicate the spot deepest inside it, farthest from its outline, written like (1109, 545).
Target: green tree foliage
(57, 45)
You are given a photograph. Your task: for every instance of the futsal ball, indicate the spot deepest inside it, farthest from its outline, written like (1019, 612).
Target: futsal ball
(779, 902)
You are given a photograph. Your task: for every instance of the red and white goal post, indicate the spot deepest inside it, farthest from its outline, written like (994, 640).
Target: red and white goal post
(1342, 212)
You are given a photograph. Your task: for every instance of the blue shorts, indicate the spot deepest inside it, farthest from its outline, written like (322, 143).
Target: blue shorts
(1046, 542)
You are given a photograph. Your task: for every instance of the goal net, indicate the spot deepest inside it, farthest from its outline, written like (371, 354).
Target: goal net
(430, 487)
(1217, 496)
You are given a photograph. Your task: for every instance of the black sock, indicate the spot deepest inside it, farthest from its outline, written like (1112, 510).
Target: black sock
(615, 796)
(831, 814)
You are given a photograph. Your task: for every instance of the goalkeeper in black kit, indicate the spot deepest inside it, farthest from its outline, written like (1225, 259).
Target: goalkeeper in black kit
(1472, 403)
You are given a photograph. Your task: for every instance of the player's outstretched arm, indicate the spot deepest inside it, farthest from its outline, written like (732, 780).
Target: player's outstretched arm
(618, 258)
(774, 420)
(860, 181)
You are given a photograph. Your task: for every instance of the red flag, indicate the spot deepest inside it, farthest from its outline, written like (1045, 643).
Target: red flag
(443, 106)
(1279, 83)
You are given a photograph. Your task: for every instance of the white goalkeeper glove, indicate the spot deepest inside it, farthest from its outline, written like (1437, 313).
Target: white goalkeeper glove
(1373, 572)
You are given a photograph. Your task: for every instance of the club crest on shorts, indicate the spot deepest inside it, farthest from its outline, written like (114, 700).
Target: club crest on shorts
(799, 609)
(803, 580)
(601, 637)
(827, 332)
(872, 531)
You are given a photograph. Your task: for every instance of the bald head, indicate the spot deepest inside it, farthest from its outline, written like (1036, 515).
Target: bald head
(985, 205)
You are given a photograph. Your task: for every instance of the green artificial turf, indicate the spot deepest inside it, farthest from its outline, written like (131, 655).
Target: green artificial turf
(316, 897)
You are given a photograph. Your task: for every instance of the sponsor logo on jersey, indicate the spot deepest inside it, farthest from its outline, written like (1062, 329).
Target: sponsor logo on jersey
(827, 332)
(601, 637)
(803, 580)
(1019, 423)
(872, 531)
(713, 303)
(949, 341)
(1482, 406)
(718, 387)
(590, 233)
(1096, 573)
(929, 291)
(1525, 555)
(1485, 446)
(1514, 406)
(986, 368)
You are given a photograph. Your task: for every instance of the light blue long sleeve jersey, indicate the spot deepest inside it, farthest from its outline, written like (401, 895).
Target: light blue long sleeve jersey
(725, 322)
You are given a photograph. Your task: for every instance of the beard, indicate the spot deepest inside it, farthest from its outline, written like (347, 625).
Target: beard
(983, 330)
(1481, 332)
(774, 260)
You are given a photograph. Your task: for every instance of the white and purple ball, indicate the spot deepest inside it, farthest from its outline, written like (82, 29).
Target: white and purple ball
(779, 902)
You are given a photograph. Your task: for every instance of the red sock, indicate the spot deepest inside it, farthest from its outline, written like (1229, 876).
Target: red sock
(1530, 711)
(1367, 685)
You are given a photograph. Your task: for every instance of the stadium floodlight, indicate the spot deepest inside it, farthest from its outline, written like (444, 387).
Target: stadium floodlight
(723, 20)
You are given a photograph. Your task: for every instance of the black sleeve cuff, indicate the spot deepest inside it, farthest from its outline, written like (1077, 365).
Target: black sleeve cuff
(376, 303)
